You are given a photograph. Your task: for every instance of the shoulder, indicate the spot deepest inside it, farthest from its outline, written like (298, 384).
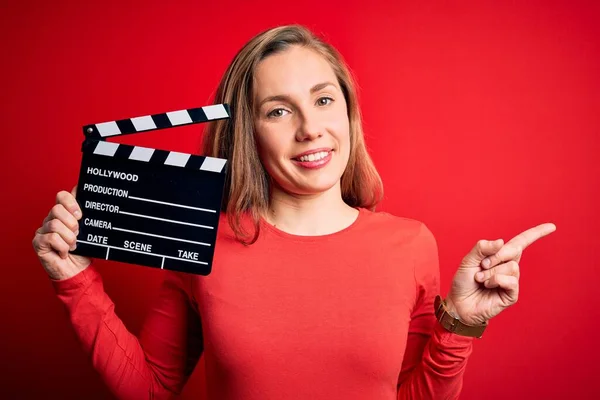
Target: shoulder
(407, 240)
(408, 229)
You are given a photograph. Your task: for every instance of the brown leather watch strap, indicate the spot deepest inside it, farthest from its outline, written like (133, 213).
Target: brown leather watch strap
(453, 324)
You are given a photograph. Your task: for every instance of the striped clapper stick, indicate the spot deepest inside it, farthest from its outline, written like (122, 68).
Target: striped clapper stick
(150, 207)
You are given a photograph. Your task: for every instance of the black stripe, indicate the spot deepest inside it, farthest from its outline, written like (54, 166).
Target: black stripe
(159, 156)
(195, 162)
(197, 115)
(126, 126)
(161, 121)
(123, 151)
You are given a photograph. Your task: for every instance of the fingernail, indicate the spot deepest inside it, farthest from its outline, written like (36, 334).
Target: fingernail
(486, 262)
(77, 214)
(73, 247)
(479, 276)
(77, 232)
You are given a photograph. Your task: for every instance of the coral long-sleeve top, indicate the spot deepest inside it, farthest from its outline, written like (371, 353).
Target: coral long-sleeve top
(347, 315)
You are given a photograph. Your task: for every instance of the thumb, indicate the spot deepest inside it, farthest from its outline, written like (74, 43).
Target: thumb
(74, 191)
(482, 249)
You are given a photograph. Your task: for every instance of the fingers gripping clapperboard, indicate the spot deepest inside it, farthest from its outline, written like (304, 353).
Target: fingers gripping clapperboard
(150, 207)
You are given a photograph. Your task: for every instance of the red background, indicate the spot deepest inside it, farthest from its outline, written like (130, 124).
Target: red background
(483, 120)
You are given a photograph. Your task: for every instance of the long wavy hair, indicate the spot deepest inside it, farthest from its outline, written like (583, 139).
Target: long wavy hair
(247, 186)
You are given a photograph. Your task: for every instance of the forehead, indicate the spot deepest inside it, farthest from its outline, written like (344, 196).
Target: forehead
(293, 71)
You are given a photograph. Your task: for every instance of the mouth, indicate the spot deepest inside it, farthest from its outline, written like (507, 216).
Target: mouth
(314, 159)
(313, 155)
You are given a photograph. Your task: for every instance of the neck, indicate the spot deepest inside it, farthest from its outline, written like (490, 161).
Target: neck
(310, 215)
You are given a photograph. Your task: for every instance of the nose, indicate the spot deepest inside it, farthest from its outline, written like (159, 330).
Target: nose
(309, 128)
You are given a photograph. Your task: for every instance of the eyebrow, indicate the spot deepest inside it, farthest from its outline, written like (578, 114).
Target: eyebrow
(280, 97)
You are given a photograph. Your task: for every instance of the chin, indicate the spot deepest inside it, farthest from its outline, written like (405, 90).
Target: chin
(314, 188)
(309, 184)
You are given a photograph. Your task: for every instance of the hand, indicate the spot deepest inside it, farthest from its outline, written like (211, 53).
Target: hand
(487, 281)
(57, 236)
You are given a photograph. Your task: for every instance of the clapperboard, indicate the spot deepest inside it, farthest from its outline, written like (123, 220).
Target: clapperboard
(150, 207)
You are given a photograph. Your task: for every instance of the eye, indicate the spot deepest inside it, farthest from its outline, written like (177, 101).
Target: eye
(323, 101)
(277, 113)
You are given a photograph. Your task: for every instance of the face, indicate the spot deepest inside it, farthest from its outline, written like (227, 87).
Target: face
(301, 122)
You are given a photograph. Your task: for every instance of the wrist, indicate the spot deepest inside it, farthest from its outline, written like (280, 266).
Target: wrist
(451, 308)
(450, 319)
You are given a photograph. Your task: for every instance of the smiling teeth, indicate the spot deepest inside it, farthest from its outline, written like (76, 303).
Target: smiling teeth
(315, 156)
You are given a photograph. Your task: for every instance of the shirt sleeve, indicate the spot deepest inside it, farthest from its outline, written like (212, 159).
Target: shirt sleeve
(435, 359)
(154, 365)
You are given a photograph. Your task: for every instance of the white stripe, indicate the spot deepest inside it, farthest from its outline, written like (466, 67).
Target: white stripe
(141, 153)
(215, 111)
(106, 148)
(108, 128)
(160, 236)
(143, 123)
(162, 263)
(213, 164)
(177, 159)
(107, 252)
(142, 252)
(166, 220)
(171, 204)
(179, 117)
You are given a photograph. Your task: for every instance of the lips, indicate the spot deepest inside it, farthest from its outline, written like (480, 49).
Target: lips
(314, 151)
(314, 161)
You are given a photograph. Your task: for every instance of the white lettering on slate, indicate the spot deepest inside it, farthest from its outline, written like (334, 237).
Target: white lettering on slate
(97, 239)
(92, 205)
(105, 190)
(190, 255)
(112, 174)
(138, 246)
(96, 223)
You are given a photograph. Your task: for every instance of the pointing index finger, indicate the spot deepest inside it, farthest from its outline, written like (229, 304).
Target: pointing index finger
(526, 238)
(513, 248)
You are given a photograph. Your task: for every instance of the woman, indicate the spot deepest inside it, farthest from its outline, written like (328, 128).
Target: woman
(313, 294)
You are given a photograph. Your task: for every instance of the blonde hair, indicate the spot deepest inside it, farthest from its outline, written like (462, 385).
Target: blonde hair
(247, 185)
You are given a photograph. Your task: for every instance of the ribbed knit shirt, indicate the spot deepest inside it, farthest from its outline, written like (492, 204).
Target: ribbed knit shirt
(347, 315)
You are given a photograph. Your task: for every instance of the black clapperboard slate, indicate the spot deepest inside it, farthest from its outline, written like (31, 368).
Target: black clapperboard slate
(150, 207)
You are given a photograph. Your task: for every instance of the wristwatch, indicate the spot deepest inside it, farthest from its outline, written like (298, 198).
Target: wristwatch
(454, 324)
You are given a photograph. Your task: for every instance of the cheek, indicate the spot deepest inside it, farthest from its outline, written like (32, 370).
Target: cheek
(270, 146)
(341, 129)
(340, 122)
(343, 138)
